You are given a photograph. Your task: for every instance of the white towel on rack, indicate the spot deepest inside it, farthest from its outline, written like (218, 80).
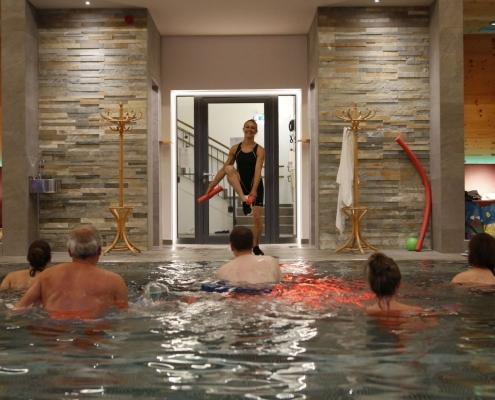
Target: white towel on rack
(345, 177)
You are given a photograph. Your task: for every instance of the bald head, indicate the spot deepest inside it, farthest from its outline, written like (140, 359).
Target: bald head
(84, 242)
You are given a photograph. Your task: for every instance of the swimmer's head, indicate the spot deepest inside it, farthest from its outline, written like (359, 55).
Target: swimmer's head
(155, 291)
(383, 275)
(39, 255)
(84, 242)
(482, 251)
(241, 239)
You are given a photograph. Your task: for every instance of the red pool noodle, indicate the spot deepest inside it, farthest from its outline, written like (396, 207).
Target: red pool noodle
(426, 184)
(210, 194)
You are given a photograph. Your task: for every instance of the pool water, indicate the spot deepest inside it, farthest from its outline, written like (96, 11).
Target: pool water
(308, 339)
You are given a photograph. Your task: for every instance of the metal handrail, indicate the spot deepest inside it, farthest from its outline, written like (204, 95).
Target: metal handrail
(215, 155)
(191, 132)
(211, 148)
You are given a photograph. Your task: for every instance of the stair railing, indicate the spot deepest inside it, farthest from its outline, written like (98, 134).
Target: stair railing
(218, 154)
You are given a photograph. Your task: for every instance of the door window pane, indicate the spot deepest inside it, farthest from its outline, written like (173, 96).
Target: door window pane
(225, 123)
(185, 167)
(287, 165)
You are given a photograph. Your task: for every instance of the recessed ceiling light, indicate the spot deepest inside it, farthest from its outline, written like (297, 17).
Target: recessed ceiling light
(377, 1)
(88, 3)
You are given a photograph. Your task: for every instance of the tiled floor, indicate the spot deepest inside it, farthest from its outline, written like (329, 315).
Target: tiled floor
(194, 253)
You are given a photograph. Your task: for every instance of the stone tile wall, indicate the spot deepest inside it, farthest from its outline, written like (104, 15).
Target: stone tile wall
(89, 62)
(377, 58)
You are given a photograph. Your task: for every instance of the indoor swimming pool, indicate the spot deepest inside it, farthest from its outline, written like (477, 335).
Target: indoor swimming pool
(307, 339)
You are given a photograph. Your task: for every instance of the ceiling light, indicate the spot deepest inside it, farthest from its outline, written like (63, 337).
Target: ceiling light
(88, 3)
(377, 1)
(492, 23)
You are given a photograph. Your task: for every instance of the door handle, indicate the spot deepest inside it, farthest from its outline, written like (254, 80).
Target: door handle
(206, 176)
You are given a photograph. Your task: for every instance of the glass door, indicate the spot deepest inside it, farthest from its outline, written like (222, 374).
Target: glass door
(225, 122)
(286, 152)
(207, 128)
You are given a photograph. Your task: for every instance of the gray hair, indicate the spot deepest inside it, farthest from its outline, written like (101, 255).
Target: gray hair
(84, 242)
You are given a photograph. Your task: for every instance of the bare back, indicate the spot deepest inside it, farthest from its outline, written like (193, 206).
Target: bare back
(394, 308)
(249, 269)
(475, 276)
(77, 289)
(18, 280)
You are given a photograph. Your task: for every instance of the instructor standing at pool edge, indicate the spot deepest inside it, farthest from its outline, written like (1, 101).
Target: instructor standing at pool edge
(246, 180)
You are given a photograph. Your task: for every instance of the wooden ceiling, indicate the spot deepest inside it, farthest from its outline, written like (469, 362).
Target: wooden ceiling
(478, 14)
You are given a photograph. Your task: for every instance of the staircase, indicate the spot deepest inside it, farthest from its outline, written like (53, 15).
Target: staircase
(286, 219)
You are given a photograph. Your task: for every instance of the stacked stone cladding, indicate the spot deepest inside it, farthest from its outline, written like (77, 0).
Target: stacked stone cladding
(378, 59)
(89, 62)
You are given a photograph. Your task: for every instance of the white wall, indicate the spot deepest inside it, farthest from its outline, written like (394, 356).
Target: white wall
(225, 122)
(231, 63)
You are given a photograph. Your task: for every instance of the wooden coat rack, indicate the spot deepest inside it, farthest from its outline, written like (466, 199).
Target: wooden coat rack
(122, 123)
(355, 212)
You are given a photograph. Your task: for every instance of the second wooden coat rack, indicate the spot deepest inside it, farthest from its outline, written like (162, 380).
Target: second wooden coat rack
(355, 212)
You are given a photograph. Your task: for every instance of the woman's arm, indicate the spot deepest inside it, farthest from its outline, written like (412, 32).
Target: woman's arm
(260, 160)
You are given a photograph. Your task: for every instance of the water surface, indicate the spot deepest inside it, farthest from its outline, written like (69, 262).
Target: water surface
(308, 340)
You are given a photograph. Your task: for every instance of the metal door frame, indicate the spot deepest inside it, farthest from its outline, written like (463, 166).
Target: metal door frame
(270, 104)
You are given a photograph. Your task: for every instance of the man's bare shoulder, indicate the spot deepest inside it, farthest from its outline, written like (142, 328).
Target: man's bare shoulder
(57, 268)
(113, 275)
(462, 277)
(267, 260)
(110, 278)
(227, 265)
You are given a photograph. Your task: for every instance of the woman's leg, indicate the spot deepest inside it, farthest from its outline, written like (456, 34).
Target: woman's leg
(258, 225)
(235, 181)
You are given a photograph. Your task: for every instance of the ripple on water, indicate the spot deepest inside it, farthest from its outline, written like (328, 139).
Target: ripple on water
(13, 371)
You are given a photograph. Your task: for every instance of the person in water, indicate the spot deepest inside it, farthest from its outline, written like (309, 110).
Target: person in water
(384, 279)
(481, 259)
(78, 289)
(246, 180)
(39, 255)
(246, 269)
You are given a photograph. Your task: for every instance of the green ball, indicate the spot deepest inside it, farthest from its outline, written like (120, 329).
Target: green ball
(411, 243)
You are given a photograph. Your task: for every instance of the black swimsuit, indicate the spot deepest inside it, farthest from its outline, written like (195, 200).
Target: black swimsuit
(246, 165)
